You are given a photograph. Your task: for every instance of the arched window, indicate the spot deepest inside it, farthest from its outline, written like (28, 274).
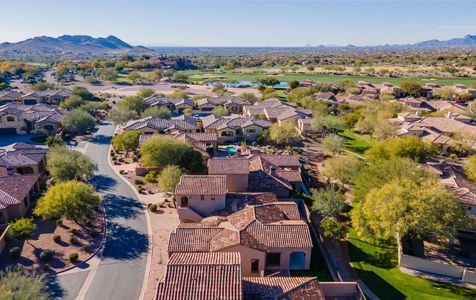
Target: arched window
(10, 119)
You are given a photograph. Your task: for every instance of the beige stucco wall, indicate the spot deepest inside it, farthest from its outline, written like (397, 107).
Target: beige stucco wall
(285, 258)
(18, 123)
(187, 215)
(236, 182)
(206, 206)
(247, 254)
(251, 136)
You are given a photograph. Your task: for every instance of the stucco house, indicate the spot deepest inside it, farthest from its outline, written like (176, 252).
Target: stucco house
(173, 104)
(46, 97)
(218, 275)
(9, 97)
(270, 237)
(197, 196)
(235, 128)
(236, 171)
(21, 119)
(151, 125)
(22, 159)
(278, 174)
(16, 194)
(233, 104)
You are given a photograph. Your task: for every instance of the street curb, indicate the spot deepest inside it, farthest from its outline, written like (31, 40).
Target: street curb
(149, 226)
(103, 240)
(99, 249)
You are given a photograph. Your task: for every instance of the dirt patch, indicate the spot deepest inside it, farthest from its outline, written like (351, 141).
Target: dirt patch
(82, 239)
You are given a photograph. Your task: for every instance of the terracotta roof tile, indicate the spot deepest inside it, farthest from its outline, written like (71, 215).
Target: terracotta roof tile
(224, 166)
(289, 288)
(201, 185)
(202, 276)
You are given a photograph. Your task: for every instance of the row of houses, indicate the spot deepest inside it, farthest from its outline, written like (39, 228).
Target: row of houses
(437, 130)
(36, 97)
(20, 119)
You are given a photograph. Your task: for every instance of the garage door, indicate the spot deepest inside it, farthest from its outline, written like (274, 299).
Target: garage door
(8, 131)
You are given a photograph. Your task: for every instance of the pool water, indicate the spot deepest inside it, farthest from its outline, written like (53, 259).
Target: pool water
(231, 150)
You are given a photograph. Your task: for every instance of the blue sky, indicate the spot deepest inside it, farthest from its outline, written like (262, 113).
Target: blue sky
(241, 22)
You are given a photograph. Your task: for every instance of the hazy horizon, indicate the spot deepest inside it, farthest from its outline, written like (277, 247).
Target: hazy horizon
(244, 23)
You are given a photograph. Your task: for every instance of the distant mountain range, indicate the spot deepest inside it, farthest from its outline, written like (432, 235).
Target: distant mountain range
(87, 46)
(468, 40)
(74, 45)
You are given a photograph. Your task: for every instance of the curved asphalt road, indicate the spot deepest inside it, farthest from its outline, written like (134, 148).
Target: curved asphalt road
(122, 266)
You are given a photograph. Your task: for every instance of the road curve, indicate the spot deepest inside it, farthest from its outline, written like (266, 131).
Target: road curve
(121, 270)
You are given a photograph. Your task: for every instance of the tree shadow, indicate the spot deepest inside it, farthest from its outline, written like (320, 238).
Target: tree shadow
(379, 286)
(384, 258)
(101, 139)
(124, 243)
(103, 183)
(54, 288)
(121, 207)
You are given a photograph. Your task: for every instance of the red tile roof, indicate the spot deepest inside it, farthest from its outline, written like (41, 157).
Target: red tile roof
(14, 188)
(225, 166)
(275, 225)
(202, 276)
(201, 185)
(289, 288)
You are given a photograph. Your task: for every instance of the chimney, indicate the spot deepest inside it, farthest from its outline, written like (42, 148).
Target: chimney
(417, 113)
(448, 115)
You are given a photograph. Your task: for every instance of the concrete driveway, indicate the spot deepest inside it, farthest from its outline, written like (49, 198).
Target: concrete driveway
(120, 271)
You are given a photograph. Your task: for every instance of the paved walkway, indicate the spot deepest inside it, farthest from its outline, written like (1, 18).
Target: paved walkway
(118, 272)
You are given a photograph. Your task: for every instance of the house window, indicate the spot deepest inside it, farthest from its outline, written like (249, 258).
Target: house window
(202, 197)
(184, 201)
(10, 119)
(254, 265)
(273, 259)
(251, 131)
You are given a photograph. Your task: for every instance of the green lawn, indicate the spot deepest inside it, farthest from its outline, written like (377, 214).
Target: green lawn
(376, 265)
(357, 143)
(319, 77)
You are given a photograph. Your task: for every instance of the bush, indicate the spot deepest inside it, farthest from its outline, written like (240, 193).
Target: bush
(57, 238)
(74, 231)
(153, 208)
(149, 205)
(46, 255)
(73, 257)
(139, 182)
(73, 240)
(86, 248)
(94, 233)
(121, 172)
(14, 252)
(46, 267)
(151, 177)
(453, 156)
(59, 222)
